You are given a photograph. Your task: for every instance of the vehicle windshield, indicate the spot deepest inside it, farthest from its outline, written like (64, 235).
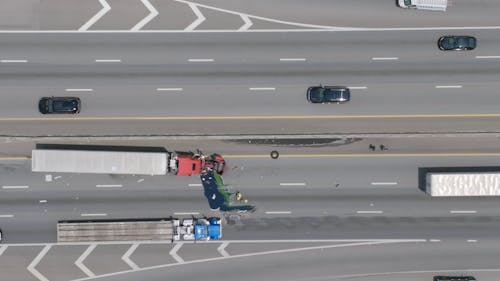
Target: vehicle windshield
(407, 2)
(317, 94)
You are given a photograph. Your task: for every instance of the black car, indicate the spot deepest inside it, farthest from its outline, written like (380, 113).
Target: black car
(457, 43)
(454, 278)
(328, 94)
(68, 105)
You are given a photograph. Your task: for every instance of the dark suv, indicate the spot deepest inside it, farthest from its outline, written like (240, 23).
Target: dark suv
(457, 43)
(454, 278)
(68, 105)
(328, 94)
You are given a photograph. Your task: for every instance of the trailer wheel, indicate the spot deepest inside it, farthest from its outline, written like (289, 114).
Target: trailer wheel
(275, 154)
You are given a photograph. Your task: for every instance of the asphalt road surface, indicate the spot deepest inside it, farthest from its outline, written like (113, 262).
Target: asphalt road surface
(247, 84)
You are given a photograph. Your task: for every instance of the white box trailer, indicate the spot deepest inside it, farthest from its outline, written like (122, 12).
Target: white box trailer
(434, 5)
(442, 184)
(99, 162)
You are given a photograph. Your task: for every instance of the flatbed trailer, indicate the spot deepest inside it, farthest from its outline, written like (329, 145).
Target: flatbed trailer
(160, 229)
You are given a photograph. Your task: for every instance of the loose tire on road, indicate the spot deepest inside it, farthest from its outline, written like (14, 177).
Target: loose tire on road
(275, 154)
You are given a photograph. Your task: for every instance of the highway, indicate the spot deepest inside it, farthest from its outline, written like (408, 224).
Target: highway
(242, 86)
(231, 77)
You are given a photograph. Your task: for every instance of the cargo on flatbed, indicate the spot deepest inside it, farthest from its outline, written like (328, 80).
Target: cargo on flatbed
(139, 230)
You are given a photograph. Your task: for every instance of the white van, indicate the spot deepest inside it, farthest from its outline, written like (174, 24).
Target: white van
(434, 5)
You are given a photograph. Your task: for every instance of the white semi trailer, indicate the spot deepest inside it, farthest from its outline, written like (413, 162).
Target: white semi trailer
(433, 5)
(443, 184)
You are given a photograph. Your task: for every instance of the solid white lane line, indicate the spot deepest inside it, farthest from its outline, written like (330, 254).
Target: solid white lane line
(199, 17)
(448, 86)
(82, 257)
(384, 183)
(93, 215)
(292, 184)
(385, 58)
(369, 212)
(15, 186)
(31, 267)
(128, 253)
(201, 60)
(221, 249)
(472, 240)
(292, 59)
(169, 89)
(108, 60)
(487, 57)
(152, 14)
(108, 185)
(463, 211)
(434, 240)
(278, 212)
(79, 90)
(6, 216)
(174, 254)
(358, 88)
(262, 89)
(97, 16)
(13, 61)
(42, 201)
(194, 185)
(186, 213)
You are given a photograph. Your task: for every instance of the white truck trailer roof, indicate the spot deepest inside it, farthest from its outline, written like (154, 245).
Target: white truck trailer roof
(99, 162)
(434, 5)
(463, 184)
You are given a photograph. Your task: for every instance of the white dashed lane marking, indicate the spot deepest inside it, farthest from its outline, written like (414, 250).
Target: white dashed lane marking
(108, 185)
(169, 89)
(463, 211)
(108, 60)
(201, 60)
(79, 90)
(262, 89)
(448, 86)
(15, 186)
(13, 61)
(292, 59)
(369, 212)
(278, 212)
(385, 58)
(292, 184)
(93, 214)
(487, 57)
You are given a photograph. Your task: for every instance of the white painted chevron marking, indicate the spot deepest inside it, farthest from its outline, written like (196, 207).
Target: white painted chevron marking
(2, 249)
(247, 22)
(261, 18)
(222, 250)
(174, 254)
(152, 14)
(31, 267)
(128, 253)
(83, 256)
(199, 17)
(96, 17)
